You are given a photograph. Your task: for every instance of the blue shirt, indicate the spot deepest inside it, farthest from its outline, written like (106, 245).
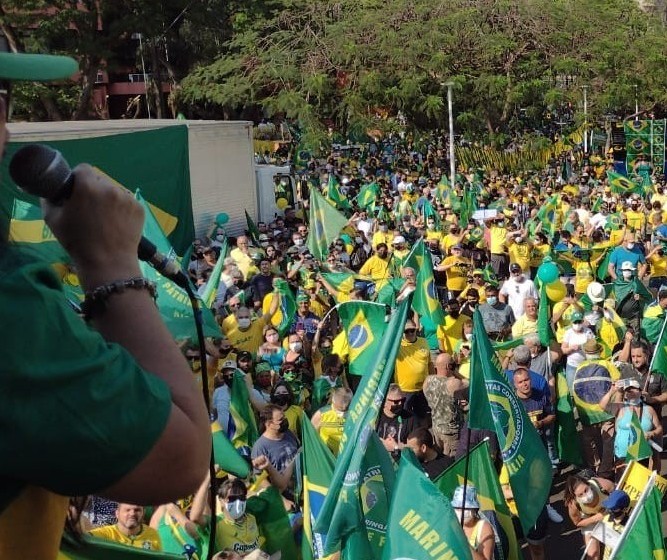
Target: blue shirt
(620, 255)
(538, 383)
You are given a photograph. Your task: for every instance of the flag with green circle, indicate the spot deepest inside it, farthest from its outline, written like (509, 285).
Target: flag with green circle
(638, 447)
(364, 324)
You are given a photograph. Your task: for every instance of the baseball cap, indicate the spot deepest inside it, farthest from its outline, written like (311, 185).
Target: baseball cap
(34, 67)
(515, 267)
(627, 265)
(577, 316)
(616, 500)
(244, 356)
(631, 384)
(398, 240)
(228, 364)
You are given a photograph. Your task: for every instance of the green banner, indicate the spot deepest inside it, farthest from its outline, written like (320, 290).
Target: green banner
(156, 161)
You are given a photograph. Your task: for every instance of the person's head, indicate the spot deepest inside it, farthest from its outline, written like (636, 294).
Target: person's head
(382, 250)
(445, 365)
(193, 357)
(271, 335)
(577, 319)
(491, 295)
(578, 488)
(265, 267)
(457, 250)
(332, 366)
(472, 297)
(297, 239)
(409, 275)
(466, 508)
(244, 360)
(273, 420)
(516, 272)
(522, 382)
(617, 504)
(662, 297)
(632, 393)
(394, 402)
(303, 304)
(421, 443)
(295, 343)
(639, 355)
(532, 342)
(326, 346)
(243, 318)
(263, 375)
(233, 495)
(340, 400)
(129, 518)
(522, 356)
(629, 240)
(410, 331)
(453, 307)
(592, 350)
(530, 308)
(628, 270)
(243, 243)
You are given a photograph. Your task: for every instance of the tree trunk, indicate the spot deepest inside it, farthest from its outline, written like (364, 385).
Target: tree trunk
(88, 77)
(156, 81)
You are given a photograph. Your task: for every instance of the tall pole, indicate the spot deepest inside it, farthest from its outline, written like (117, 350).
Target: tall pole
(143, 69)
(636, 100)
(585, 119)
(452, 164)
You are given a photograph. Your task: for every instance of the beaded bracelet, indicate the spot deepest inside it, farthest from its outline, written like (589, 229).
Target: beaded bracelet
(95, 302)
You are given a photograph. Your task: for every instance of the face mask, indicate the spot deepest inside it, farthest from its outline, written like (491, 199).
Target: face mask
(384, 229)
(396, 408)
(634, 402)
(463, 515)
(468, 336)
(492, 300)
(501, 224)
(280, 400)
(284, 425)
(627, 274)
(244, 322)
(587, 498)
(578, 327)
(276, 232)
(264, 243)
(235, 509)
(431, 227)
(631, 246)
(298, 242)
(340, 413)
(220, 237)
(519, 239)
(295, 346)
(195, 365)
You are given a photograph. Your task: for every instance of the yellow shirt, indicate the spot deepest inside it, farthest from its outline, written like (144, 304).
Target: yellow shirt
(434, 234)
(523, 326)
(382, 237)
(457, 275)
(498, 237)
(635, 220)
(241, 536)
(448, 241)
(565, 320)
(412, 365)
(481, 290)
(521, 254)
(147, 539)
(658, 265)
(539, 252)
(331, 428)
(450, 332)
(583, 276)
(294, 415)
(376, 267)
(249, 340)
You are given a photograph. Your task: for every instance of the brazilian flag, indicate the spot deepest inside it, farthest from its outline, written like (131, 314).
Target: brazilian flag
(425, 300)
(92, 548)
(483, 476)
(592, 381)
(28, 230)
(225, 454)
(342, 283)
(287, 305)
(241, 428)
(620, 184)
(335, 196)
(659, 363)
(644, 538)
(639, 447)
(325, 225)
(547, 214)
(614, 222)
(364, 325)
(368, 195)
(253, 232)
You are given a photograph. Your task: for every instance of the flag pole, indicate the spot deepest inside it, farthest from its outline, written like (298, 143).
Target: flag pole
(467, 463)
(655, 351)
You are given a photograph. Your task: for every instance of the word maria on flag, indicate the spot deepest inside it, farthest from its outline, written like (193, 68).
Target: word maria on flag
(422, 524)
(495, 406)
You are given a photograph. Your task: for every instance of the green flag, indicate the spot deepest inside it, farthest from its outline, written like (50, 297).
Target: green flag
(364, 325)
(639, 447)
(321, 391)
(644, 538)
(317, 466)
(659, 362)
(334, 194)
(342, 283)
(620, 184)
(483, 476)
(253, 232)
(241, 428)
(425, 300)
(225, 454)
(495, 406)
(172, 300)
(287, 305)
(567, 438)
(325, 225)
(28, 230)
(211, 287)
(652, 323)
(543, 318)
(269, 510)
(92, 548)
(547, 215)
(422, 523)
(341, 512)
(368, 195)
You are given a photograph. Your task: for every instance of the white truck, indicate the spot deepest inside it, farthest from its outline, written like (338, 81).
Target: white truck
(223, 174)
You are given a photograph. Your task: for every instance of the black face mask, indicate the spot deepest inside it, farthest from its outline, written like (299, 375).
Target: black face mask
(280, 400)
(396, 408)
(284, 425)
(454, 313)
(228, 379)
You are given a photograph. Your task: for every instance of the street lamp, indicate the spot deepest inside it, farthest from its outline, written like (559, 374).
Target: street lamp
(636, 99)
(452, 163)
(585, 88)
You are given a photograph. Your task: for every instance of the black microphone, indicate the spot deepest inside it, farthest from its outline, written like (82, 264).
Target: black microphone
(42, 171)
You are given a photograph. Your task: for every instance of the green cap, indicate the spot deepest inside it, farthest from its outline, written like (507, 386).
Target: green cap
(576, 316)
(36, 67)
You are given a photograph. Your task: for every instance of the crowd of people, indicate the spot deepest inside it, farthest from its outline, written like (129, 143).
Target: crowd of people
(606, 245)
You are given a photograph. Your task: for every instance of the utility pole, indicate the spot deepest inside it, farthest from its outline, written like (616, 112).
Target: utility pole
(585, 88)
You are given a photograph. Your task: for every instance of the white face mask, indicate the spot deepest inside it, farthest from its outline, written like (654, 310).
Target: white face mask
(492, 300)
(244, 322)
(220, 237)
(235, 509)
(468, 336)
(384, 228)
(431, 227)
(631, 246)
(587, 498)
(463, 515)
(634, 402)
(295, 346)
(627, 274)
(298, 242)
(578, 327)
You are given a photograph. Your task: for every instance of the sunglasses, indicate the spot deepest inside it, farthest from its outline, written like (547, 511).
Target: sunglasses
(410, 331)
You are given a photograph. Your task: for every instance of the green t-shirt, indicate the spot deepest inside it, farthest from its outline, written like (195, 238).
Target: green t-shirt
(77, 413)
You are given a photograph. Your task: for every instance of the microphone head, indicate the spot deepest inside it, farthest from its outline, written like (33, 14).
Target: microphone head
(40, 170)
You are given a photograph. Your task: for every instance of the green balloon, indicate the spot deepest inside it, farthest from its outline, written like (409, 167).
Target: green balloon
(221, 219)
(547, 273)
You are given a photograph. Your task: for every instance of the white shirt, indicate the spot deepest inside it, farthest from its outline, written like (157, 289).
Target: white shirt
(516, 292)
(598, 221)
(573, 337)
